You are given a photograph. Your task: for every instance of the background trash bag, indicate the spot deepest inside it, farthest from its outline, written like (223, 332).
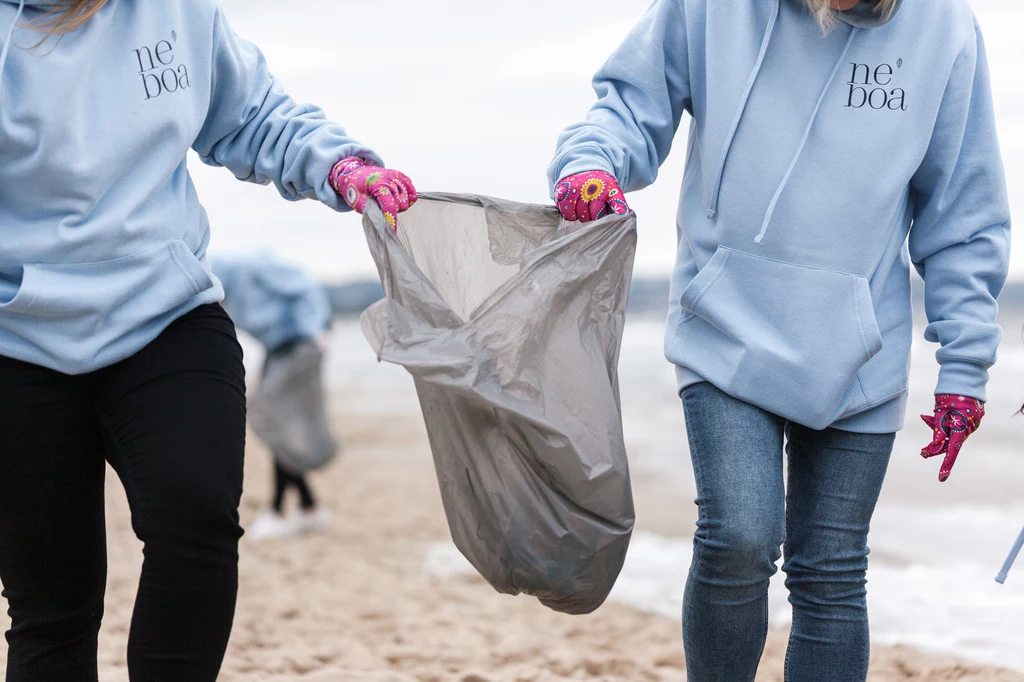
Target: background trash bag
(510, 323)
(288, 411)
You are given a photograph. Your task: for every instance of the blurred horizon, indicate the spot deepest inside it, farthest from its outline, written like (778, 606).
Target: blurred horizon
(648, 296)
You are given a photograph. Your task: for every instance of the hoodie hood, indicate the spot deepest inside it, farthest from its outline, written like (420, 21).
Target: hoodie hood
(5, 46)
(863, 14)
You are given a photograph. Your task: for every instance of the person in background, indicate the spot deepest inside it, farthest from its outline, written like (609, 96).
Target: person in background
(113, 346)
(824, 134)
(282, 307)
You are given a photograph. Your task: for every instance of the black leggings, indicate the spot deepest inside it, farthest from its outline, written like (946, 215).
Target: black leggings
(171, 422)
(284, 480)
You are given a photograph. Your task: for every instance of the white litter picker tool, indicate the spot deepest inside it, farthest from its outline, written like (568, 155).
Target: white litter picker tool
(1001, 578)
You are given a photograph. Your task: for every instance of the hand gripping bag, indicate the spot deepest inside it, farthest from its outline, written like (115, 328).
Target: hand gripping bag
(510, 323)
(288, 411)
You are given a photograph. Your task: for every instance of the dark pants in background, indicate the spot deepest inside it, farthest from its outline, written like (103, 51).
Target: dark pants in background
(284, 479)
(171, 422)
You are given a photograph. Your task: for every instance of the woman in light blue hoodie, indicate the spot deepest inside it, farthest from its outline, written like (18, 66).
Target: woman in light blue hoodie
(113, 347)
(821, 165)
(284, 309)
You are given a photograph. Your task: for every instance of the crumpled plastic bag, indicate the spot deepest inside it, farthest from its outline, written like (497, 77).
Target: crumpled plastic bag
(510, 323)
(288, 412)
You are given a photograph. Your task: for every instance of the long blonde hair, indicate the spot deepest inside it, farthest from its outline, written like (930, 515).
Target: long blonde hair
(826, 16)
(68, 16)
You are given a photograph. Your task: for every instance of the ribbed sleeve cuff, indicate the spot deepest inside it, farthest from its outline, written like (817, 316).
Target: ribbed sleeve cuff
(580, 159)
(325, 193)
(968, 379)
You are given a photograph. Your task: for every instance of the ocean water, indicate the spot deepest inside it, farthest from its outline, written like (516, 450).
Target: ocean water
(936, 548)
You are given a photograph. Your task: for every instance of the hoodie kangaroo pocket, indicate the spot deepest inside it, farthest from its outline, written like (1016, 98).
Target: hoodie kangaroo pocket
(75, 310)
(787, 338)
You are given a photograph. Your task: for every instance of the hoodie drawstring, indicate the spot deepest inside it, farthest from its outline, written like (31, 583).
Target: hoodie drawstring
(803, 142)
(717, 189)
(7, 46)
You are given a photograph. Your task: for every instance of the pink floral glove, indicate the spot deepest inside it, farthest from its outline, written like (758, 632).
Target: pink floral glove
(955, 419)
(355, 180)
(589, 196)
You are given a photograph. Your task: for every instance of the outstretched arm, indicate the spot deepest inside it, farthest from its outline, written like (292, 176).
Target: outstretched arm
(259, 133)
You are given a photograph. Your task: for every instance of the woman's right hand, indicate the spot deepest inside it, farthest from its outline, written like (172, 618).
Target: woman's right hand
(355, 181)
(589, 196)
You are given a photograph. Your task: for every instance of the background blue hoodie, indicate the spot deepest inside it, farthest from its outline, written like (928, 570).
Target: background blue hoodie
(102, 237)
(811, 159)
(275, 302)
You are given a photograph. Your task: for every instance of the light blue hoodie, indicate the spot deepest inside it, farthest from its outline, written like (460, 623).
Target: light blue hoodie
(102, 237)
(811, 159)
(275, 302)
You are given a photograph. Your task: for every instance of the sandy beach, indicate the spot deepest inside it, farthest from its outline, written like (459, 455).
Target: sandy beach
(356, 604)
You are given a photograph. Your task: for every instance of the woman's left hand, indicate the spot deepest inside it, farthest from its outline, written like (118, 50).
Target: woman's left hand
(356, 181)
(955, 419)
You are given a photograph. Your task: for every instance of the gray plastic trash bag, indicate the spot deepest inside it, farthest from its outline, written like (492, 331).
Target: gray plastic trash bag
(288, 411)
(510, 324)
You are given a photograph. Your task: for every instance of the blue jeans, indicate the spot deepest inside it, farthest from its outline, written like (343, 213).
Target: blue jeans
(745, 515)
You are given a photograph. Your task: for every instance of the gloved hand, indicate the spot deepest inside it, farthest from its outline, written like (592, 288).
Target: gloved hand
(955, 419)
(355, 181)
(589, 196)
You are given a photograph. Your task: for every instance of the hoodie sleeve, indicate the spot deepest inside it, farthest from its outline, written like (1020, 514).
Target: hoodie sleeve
(960, 239)
(259, 133)
(642, 92)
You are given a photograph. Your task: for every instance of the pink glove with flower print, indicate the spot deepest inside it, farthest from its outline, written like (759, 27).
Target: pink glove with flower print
(955, 419)
(589, 196)
(355, 180)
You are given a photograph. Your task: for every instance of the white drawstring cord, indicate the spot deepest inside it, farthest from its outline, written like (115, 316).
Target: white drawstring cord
(7, 46)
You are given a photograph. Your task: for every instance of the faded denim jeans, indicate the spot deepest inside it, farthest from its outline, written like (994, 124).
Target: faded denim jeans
(746, 512)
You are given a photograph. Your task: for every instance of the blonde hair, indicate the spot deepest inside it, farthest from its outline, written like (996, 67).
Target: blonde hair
(826, 16)
(70, 15)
